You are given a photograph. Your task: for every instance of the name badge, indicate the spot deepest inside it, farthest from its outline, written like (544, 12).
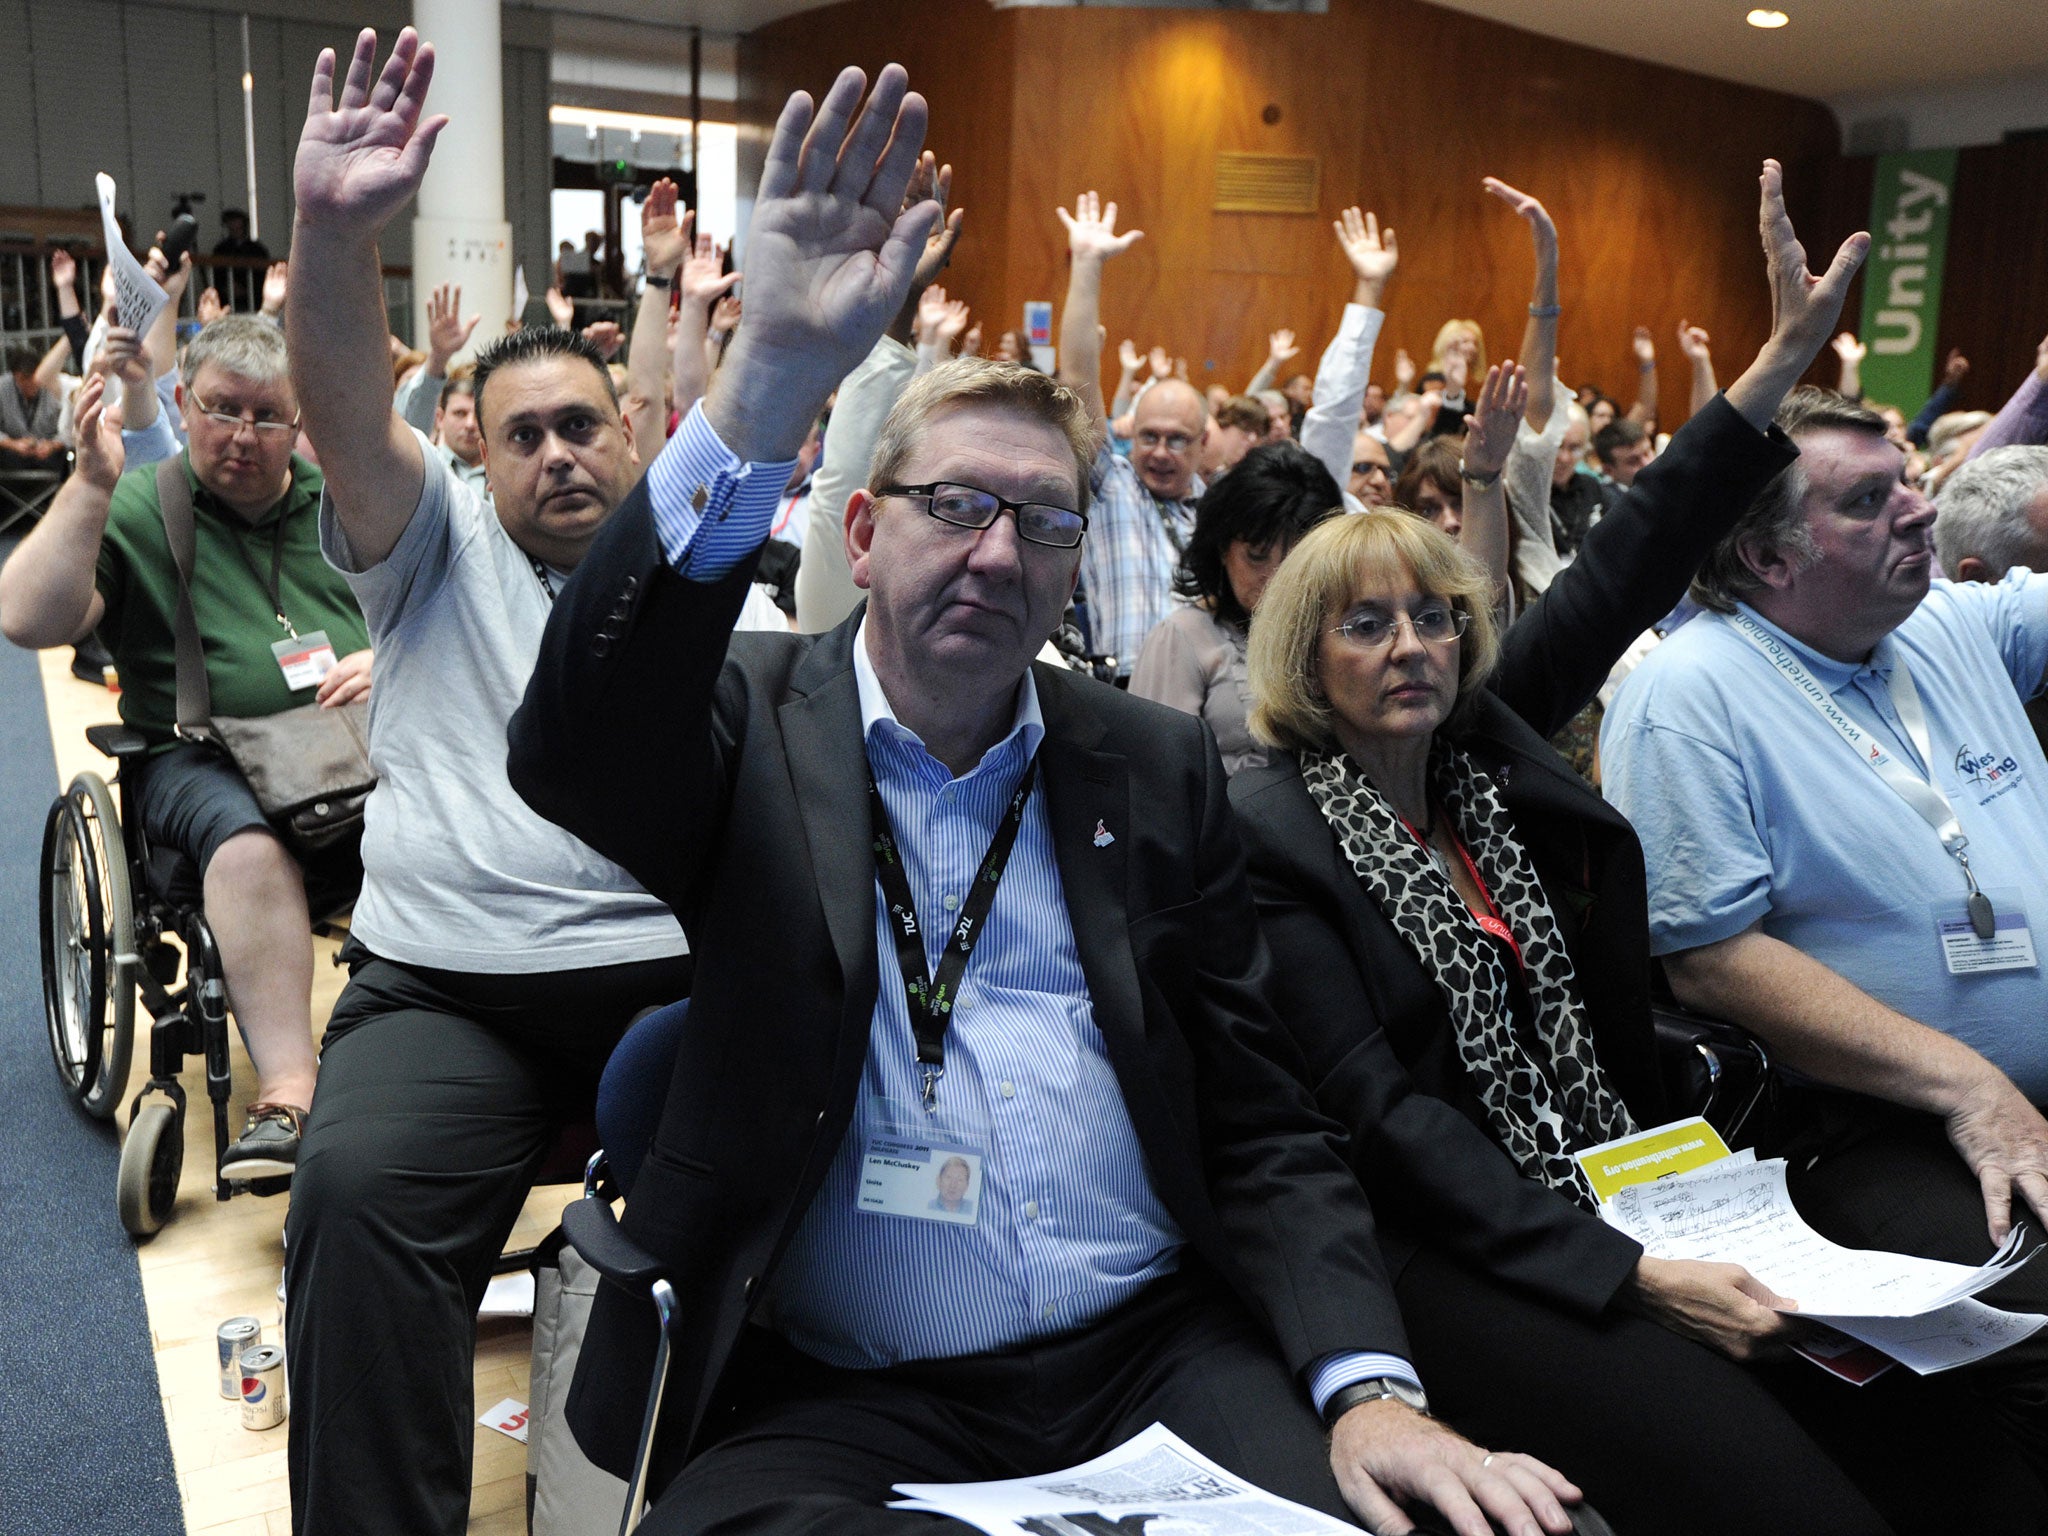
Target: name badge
(2010, 947)
(305, 660)
(928, 1172)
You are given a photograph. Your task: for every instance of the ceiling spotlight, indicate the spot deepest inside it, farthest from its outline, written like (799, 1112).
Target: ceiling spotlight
(1770, 21)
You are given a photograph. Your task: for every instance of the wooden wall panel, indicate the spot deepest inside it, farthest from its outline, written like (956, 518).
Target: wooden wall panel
(1651, 172)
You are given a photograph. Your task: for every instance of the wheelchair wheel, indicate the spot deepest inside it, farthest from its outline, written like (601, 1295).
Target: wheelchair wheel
(88, 925)
(152, 1157)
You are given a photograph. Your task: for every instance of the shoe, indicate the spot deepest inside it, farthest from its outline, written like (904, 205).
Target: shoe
(269, 1147)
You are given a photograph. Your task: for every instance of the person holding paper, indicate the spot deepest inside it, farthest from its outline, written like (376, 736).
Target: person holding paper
(1459, 930)
(855, 825)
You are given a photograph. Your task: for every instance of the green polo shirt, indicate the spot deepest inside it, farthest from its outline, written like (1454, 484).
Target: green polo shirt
(230, 596)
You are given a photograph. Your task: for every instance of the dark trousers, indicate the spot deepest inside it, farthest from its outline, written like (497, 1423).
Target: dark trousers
(1871, 1175)
(440, 1095)
(804, 1448)
(1669, 1437)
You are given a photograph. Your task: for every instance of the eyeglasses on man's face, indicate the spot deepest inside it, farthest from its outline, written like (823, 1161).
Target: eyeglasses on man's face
(267, 430)
(1434, 624)
(1369, 468)
(967, 506)
(1172, 442)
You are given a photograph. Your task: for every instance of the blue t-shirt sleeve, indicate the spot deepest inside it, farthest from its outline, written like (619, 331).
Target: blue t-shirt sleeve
(2015, 611)
(1709, 871)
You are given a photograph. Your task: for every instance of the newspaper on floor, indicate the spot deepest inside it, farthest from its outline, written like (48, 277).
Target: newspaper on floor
(138, 298)
(1154, 1484)
(1916, 1310)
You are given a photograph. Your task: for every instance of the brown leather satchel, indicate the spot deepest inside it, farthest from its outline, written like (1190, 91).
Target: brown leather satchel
(309, 767)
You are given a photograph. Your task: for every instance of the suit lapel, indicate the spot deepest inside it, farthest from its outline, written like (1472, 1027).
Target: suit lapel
(828, 772)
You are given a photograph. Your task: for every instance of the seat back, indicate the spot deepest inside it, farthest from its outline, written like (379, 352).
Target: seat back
(634, 1085)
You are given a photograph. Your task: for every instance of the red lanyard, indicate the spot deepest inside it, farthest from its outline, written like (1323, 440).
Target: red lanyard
(1490, 919)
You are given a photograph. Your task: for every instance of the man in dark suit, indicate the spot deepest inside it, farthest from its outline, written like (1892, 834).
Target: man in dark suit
(1164, 1228)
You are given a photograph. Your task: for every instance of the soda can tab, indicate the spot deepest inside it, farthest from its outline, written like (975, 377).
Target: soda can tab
(233, 1338)
(263, 1387)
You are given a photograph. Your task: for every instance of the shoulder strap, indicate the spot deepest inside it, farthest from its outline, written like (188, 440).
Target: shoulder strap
(181, 531)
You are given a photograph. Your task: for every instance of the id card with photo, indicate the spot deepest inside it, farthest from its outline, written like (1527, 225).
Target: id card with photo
(2010, 947)
(920, 1166)
(304, 660)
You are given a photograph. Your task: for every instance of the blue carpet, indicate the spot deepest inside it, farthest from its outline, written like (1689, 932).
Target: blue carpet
(82, 1443)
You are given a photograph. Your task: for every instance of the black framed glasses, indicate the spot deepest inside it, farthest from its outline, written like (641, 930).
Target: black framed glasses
(1437, 624)
(967, 506)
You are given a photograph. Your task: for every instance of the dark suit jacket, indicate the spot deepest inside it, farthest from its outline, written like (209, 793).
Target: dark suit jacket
(727, 773)
(1373, 1025)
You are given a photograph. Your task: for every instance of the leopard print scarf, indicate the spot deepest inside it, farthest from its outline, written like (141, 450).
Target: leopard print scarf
(1541, 1109)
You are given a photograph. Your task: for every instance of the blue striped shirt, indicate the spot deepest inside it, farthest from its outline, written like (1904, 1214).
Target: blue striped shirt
(1068, 1226)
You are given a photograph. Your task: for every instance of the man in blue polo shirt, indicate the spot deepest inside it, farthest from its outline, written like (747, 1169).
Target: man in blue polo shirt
(1844, 814)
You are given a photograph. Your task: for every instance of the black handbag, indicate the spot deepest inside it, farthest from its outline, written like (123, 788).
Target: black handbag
(309, 767)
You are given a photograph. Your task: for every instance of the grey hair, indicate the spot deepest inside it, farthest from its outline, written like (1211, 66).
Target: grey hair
(1982, 509)
(1776, 520)
(1946, 429)
(243, 345)
(983, 381)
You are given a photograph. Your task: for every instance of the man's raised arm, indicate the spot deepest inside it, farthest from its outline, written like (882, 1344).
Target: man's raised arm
(1091, 240)
(358, 164)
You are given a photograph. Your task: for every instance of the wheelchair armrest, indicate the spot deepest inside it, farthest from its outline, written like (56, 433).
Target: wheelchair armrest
(594, 1232)
(117, 741)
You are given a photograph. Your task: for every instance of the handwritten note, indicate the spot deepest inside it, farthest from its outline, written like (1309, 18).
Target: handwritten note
(138, 297)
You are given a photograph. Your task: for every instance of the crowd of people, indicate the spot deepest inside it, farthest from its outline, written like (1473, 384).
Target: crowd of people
(1243, 833)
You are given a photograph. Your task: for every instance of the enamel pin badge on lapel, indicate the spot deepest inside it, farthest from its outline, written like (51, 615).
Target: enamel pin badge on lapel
(1103, 836)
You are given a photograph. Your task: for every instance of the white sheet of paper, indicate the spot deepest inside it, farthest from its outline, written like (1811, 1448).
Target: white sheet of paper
(1953, 1335)
(1155, 1474)
(1742, 1214)
(520, 294)
(507, 1416)
(508, 1295)
(138, 296)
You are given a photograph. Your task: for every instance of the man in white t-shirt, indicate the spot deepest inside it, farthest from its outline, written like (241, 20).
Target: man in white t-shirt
(1844, 818)
(495, 960)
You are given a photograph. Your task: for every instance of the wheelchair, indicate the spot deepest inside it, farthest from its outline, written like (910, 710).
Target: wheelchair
(110, 908)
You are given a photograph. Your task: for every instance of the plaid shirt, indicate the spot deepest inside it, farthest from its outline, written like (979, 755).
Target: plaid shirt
(1129, 557)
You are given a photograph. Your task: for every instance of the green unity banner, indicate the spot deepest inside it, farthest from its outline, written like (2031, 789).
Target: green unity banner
(1909, 211)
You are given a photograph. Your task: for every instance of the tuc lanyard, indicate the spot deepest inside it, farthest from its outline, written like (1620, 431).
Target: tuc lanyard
(275, 591)
(1916, 791)
(547, 584)
(930, 998)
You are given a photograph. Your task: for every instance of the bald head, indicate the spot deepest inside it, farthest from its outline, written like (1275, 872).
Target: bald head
(1167, 429)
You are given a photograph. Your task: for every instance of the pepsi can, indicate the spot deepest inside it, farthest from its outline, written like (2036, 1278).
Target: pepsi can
(233, 1338)
(263, 1387)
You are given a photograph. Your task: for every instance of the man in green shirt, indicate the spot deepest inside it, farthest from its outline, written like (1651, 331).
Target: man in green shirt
(100, 559)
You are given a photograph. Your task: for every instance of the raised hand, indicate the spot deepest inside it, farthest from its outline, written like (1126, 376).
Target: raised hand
(1541, 228)
(1644, 347)
(1091, 230)
(1804, 307)
(1370, 250)
(63, 270)
(725, 315)
(361, 161)
(560, 309)
(123, 356)
(1180, 369)
(831, 256)
(277, 285)
(158, 266)
(1129, 358)
(447, 332)
(1159, 364)
(1692, 341)
(1280, 346)
(970, 344)
(664, 238)
(101, 458)
(606, 336)
(953, 322)
(1955, 369)
(1490, 430)
(931, 309)
(932, 182)
(1404, 369)
(1848, 348)
(210, 307)
(704, 276)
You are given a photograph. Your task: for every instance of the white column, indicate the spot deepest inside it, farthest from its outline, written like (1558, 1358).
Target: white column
(460, 234)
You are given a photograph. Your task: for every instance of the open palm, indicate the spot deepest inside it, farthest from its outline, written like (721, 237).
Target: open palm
(360, 162)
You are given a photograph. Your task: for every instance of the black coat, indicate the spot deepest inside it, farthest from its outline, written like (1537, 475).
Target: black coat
(727, 774)
(1373, 1025)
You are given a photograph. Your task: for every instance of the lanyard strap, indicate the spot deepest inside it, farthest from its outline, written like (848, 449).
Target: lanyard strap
(1490, 920)
(540, 574)
(1925, 798)
(275, 591)
(1170, 523)
(930, 998)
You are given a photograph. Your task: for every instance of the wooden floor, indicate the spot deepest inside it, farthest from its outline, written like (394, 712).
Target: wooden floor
(217, 1260)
